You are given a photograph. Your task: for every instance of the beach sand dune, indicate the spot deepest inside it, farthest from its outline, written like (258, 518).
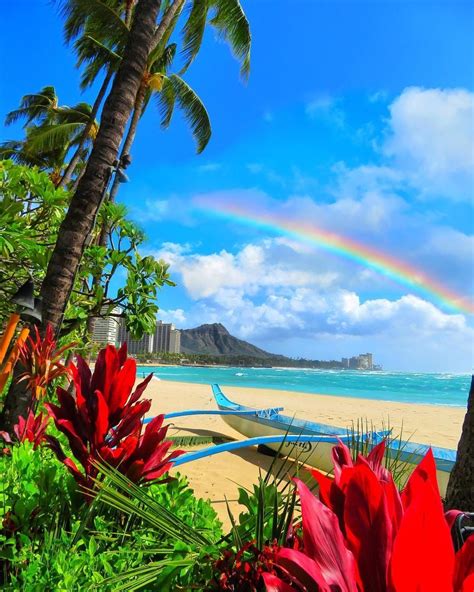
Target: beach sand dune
(218, 477)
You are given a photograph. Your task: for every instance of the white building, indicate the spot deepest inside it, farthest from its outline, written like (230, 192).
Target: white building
(165, 339)
(106, 329)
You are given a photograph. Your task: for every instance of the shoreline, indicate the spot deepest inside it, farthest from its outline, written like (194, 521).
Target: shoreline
(216, 477)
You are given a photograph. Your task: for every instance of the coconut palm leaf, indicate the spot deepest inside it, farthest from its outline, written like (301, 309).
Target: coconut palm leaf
(37, 106)
(47, 138)
(175, 89)
(101, 16)
(95, 56)
(163, 62)
(233, 26)
(193, 31)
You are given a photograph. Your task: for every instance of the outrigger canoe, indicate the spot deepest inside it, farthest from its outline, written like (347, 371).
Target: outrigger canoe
(315, 440)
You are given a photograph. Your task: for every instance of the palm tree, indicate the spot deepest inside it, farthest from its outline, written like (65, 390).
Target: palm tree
(99, 32)
(460, 492)
(169, 90)
(50, 131)
(101, 28)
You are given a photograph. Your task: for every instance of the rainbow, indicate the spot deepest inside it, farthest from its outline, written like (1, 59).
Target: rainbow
(398, 270)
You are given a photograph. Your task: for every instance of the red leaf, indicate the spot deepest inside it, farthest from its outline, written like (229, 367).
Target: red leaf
(304, 569)
(464, 567)
(324, 542)
(140, 389)
(274, 584)
(368, 528)
(341, 457)
(423, 554)
(424, 472)
(101, 419)
(122, 385)
(122, 354)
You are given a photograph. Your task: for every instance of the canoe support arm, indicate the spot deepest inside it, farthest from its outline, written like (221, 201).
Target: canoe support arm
(238, 444)
(267, 413)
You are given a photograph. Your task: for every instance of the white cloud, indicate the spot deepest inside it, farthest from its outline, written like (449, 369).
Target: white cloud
(431, 140)
(209, 167)
(176, 316)
(325, 107)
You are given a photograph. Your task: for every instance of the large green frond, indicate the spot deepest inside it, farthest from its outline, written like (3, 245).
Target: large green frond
(233, 26)
(166, 101)
(47, 138)
(102, 16)
(193, 31)
(80, 113)
(97, 56)
(194, 110)
(163, 62)
(36, 106)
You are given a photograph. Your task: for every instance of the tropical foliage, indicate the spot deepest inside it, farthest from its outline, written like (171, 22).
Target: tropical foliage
(103, 422)
(362, 534)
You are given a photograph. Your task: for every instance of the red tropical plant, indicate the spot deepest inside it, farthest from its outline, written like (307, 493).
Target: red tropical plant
(32, 428)
(41, 361)
(103, 422)
(362, 535)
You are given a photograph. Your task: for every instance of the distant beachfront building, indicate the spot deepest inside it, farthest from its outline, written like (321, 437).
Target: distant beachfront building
(165, 339)
(106, 329)
(360, 362)
(135, 346)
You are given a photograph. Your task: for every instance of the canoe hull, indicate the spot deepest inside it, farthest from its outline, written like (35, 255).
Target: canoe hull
(318, 454)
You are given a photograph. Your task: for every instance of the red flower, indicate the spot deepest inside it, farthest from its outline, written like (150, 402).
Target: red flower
(362, 535)
(103, 422)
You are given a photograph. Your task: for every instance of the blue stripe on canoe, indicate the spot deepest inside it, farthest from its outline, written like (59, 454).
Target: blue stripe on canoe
(289, 423)
(411, 452)
(187, 412)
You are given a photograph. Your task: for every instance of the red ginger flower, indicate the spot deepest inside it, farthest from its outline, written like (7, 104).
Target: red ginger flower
(104, 421)
(362, 535)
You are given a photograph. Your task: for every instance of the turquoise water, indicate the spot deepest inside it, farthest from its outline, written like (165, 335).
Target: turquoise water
(433, 389)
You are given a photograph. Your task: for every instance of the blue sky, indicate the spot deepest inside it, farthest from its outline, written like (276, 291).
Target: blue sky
(357, 118)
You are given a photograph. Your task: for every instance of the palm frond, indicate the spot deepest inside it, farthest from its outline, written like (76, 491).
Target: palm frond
(193, 31)
(102, 16)
(117, 491)
(96, 56)
(162, 62)
(193, 108)
(233, 26)
(147, 574)
(36, 106)
(47, 138)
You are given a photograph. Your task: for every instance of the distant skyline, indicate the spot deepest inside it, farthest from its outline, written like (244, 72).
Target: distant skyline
(359, 118)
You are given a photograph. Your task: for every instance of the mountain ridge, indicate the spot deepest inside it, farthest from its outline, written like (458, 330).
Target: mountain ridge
(214, 339)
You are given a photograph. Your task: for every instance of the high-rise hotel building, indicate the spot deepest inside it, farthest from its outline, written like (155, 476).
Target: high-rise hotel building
(165, 339)
(106, 329)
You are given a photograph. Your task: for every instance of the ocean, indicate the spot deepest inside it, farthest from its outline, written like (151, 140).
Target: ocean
(430, 389)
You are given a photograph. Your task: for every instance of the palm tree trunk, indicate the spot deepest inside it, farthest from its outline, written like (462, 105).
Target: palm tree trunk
(77, 155)
(169, 15)
(85, 203)
(81, 215)
(132, 131)
(460, 492)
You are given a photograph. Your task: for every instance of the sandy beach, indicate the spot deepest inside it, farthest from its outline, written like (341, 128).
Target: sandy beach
(218, 477)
